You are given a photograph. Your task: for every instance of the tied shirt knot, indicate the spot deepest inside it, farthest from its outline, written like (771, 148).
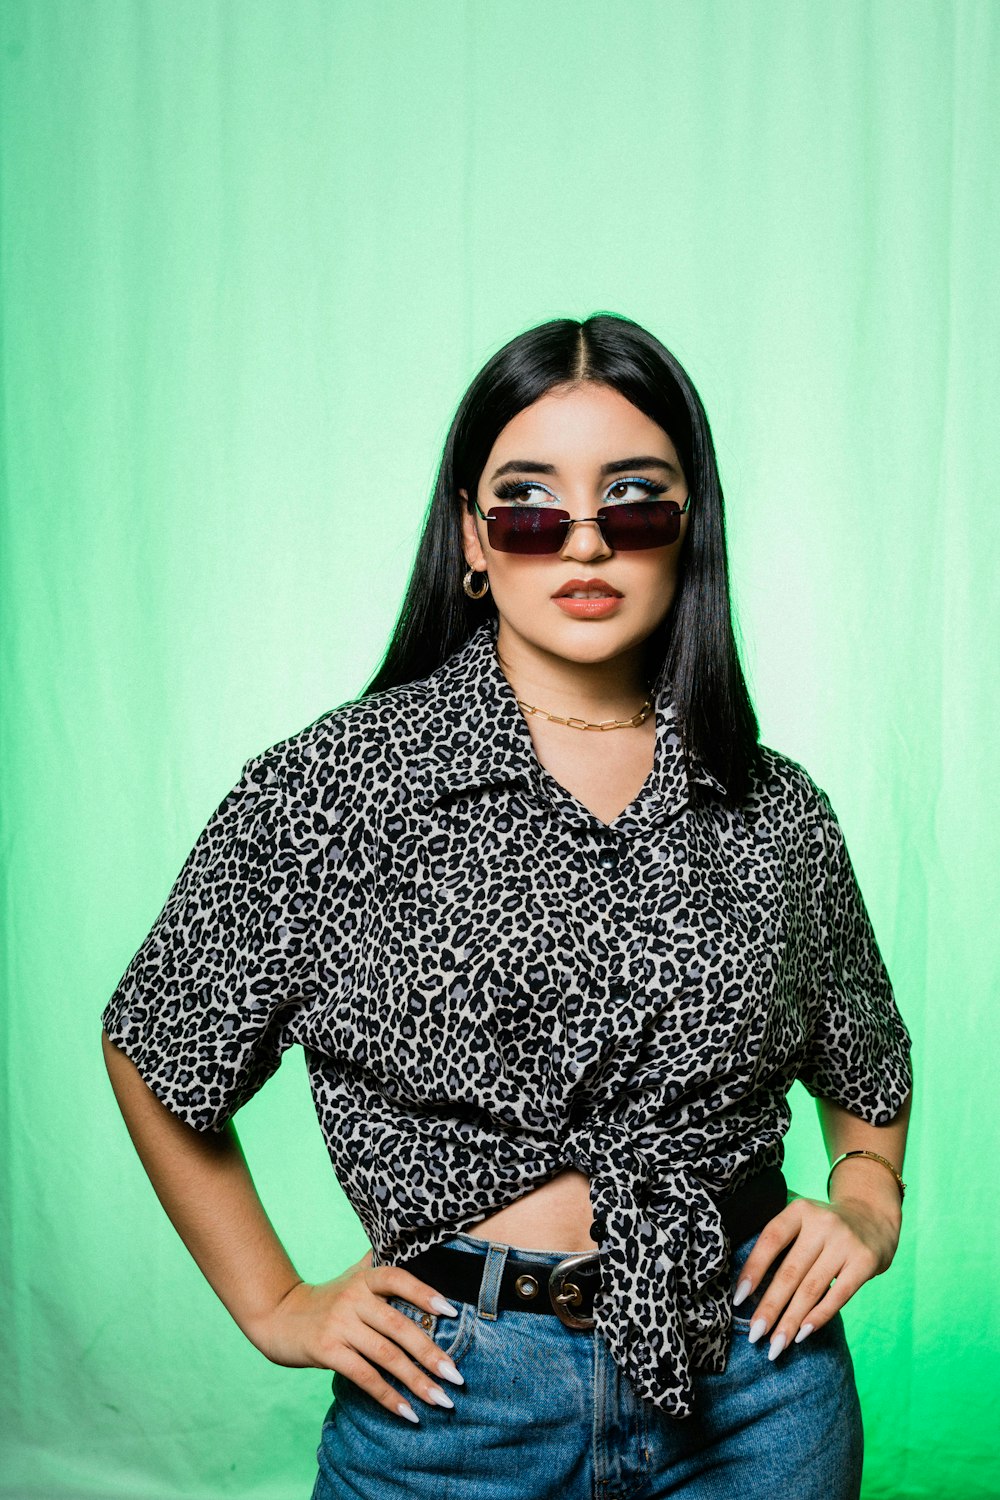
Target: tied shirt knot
(663, 1304)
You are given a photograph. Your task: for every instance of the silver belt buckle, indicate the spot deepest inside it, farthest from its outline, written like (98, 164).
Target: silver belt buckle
(564, 1294)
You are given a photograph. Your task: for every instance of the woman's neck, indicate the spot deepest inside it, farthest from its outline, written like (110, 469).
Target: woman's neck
(596, 691)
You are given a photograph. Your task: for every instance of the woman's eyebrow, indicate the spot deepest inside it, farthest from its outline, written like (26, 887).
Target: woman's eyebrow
(615, 466)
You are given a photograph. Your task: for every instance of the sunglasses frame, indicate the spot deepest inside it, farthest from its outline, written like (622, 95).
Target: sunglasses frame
(603, 511)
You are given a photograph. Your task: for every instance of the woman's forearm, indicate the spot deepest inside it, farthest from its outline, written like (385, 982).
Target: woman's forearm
(205, 1186)
(859, 1177)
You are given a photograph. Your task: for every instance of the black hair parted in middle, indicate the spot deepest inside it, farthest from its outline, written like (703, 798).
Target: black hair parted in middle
(696, 641)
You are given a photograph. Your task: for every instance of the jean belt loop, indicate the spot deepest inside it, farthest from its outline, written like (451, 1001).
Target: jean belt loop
(489, 1291)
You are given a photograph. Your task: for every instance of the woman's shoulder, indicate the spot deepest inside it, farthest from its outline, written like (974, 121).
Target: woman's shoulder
(356, 747)
(782, 787)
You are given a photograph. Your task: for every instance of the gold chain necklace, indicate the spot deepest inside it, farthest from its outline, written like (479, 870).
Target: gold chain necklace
(633, 723)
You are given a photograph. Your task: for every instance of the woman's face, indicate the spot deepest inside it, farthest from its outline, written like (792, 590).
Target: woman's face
(597, 449)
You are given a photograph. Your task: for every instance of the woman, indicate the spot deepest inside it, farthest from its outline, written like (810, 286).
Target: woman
(554, 986)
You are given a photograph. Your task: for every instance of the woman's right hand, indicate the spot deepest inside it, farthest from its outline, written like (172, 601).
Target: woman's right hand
(348, 1325)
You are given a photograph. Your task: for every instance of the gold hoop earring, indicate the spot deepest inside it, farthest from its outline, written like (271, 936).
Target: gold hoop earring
(467, 585)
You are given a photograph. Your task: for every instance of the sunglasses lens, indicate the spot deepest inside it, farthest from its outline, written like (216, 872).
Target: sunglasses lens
(528, 529)
(650, 523)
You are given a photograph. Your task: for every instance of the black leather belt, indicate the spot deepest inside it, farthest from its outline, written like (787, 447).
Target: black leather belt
(571, 1284)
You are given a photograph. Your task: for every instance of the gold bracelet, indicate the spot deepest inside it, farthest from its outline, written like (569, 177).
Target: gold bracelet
(875, 1157)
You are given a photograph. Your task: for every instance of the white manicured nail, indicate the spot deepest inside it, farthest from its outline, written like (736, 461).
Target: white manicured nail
(406, 1410)
(777, 1344)
(742, 1292)
(447, 1369)
(439, 1396)
(803, 1332)
(757, 1329)
(441, 1306)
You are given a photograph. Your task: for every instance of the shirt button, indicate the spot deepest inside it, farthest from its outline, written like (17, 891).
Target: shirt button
(608, 859)
(619, 992)
(599, 1228)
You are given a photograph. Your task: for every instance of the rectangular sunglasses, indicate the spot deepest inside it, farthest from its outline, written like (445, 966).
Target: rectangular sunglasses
(535, 529)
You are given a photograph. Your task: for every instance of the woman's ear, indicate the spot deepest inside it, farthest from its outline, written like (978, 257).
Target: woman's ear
(471, 546)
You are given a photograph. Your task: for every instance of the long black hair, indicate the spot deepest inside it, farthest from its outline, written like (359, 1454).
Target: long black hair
(695, 641)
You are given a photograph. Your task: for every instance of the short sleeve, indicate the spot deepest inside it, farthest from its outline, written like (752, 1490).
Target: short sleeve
(205, 1006)
(858, 1049)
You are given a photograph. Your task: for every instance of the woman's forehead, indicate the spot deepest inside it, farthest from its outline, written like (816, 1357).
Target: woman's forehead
(585, 427)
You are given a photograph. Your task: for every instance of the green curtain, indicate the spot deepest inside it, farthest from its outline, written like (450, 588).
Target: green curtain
(252, 253)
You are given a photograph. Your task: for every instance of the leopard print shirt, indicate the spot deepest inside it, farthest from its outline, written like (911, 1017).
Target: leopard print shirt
(490, 983)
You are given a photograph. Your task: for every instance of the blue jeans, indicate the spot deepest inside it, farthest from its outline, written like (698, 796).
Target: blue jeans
(545, 1414)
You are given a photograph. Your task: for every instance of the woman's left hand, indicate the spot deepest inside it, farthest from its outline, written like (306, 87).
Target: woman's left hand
(845, 1243)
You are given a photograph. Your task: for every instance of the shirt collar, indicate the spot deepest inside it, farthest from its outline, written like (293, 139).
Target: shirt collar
(474, 735)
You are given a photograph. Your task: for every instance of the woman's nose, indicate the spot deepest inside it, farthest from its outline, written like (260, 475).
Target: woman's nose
(585, 540)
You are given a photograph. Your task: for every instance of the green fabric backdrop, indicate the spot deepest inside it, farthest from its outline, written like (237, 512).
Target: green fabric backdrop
(252, 254)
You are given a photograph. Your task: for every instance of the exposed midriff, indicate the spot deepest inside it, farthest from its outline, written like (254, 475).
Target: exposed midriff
(556, 1215)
